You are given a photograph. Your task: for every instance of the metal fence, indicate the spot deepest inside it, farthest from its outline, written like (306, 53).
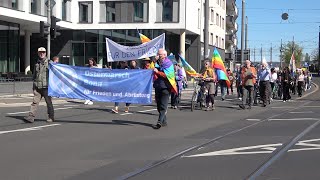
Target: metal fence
(12, 87)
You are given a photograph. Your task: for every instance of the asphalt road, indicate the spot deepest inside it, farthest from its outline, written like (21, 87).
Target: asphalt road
(280, 141)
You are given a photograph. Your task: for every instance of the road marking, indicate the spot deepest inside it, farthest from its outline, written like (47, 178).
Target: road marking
(240, 151)
(22, 112)
(36, 128)
(302, 112)
(253, 119)
(295, 119)
(71, 105)
(283, 107)
(312, 106)
(261, 149)
(125, 114)
(148, 110)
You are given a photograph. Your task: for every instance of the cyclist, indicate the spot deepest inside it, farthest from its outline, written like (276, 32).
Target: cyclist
(209, 77)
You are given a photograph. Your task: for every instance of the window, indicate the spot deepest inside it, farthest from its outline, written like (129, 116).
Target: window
(85, 13)
(124, 11)
(65, 11)
(223, 4)
(222, 23)
(217, 41)
(217, 19)
(218, 2)
(167, 10)
(211, 39)
(12, 4)
(212, 16)
(199, 18)
(38, 7)
(222, 43)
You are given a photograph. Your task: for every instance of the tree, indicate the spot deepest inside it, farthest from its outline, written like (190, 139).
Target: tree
(287, 53)
(315, 58)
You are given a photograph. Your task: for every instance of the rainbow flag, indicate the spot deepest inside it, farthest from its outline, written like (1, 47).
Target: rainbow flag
(217, 63)
(143, 38)
(189, 70)
(168, 69)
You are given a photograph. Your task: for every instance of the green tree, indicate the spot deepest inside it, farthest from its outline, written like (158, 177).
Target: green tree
(287, 53)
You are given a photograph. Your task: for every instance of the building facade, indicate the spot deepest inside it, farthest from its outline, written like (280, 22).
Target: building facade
(231, 33)
(86, 24)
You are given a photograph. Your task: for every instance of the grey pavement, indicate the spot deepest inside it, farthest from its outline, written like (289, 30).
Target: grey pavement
(89, 142)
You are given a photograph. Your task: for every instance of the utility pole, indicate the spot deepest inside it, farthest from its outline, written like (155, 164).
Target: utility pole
(242, 31)
(261, 53)
(271, 55)
(254, 54)
(246, 32)
(49, 22)
(206, 28)
(319, 52)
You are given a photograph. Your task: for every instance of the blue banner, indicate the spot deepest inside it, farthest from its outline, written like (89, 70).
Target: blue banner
(108, 85)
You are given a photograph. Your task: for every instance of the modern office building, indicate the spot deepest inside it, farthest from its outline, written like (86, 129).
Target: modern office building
(231, 30)
(85, 24)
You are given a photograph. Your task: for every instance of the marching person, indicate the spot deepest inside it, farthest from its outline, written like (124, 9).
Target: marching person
(122, 65)
(55, 59)
(264, 76)
(175, 98)
(248, 78)
(286, 78)
(40, 87)
(300, 82)
(91, 64)
(162, 87)
(210, 78)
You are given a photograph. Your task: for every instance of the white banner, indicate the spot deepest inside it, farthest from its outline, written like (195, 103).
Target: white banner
(117, 52)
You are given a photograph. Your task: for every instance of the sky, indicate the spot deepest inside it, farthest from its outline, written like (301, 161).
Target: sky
(266, 27)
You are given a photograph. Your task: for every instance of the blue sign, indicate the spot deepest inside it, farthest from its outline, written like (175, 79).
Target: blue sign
(108, 85)
(306, 64)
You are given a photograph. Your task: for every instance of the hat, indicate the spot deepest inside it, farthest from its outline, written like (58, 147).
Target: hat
(147, 59)
(41, 49)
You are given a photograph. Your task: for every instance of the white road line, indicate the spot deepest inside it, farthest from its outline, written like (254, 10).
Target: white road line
(71, 105)
(302, 112)
(125, 114)
(312, 106)
(29, 129)
(283, 107)
(295, 119)
(253, 119)
(22, 112)
(148, 110)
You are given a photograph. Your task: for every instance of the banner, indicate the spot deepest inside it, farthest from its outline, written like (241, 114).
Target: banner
(117, 52)
(107, 85)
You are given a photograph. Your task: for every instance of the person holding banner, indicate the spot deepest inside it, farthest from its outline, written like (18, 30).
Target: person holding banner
(91, 64)
(40, 87)
(121, 65)
(164, 84)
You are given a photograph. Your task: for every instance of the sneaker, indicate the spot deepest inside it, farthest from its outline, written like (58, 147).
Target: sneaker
(242, 106)
(49, 120)
(240, 98)
(207, 108)
(115, 111)
(90, 103)
(28, 119)
(127, 109)
(175, 107)
(86, 102)
(213, 108)
(284, 100)
(156, 126)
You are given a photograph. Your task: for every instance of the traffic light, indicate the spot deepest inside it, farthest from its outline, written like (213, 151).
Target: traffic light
(54, 27)
(43, 29)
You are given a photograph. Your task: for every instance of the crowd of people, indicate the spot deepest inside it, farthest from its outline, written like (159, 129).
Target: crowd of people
(253, 84)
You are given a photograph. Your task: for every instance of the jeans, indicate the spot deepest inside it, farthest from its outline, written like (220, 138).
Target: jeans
(162, 99)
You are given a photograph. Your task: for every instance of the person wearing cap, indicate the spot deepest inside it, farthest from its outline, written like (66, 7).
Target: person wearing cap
(40, 87)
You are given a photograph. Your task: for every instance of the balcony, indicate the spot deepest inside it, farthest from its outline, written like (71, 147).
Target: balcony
(231, 5)
(230, 22)
(230, 39)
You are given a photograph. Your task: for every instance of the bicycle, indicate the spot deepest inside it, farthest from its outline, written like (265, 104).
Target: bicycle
(199, 94)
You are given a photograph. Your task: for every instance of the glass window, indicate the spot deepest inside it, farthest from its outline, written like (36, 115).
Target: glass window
(211, 38)
(78, 54)
(12, 4)
(223, 43)
(222, 23)
(217, 41)
(9, 47)
(217, 19)
(199, 18)
(65, 10)
(212, 15)
(38, 7)
(124, 11)
(85, 13)
(167, 10)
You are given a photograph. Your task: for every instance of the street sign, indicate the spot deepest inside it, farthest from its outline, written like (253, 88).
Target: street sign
(52, 3)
